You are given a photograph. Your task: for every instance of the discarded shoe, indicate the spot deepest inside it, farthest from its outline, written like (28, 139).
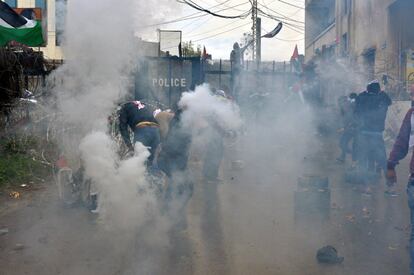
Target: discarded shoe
(328, 255)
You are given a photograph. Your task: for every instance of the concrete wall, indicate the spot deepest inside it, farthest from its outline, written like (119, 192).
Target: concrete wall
(326, 38)
(371, 26)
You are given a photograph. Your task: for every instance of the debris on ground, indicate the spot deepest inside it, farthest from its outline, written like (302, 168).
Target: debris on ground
(350, 218)
(4, 231)
(366, 213)
(399, 228)
(391, 193)
(19, 246)
(335, 207)
(392, 247)
(328, 255)
(14, 195)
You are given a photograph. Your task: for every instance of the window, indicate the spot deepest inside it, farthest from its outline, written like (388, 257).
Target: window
(11, 3)
(40, 4)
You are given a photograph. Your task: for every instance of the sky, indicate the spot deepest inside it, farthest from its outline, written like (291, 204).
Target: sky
(218, 34)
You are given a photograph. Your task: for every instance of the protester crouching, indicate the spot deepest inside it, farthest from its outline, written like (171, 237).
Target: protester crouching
(403, 143)
(371, 107)
(140, 118)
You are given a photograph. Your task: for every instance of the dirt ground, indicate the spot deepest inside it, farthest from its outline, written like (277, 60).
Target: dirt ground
(244, 225)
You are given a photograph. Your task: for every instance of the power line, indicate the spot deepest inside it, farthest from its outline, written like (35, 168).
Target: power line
(228, 6)
(192, 16)
(296, 28)
(223, 26)
(281, 15)
(198, 25)
(248, 23)
(292, 5)
(289, 40)
(200, 8)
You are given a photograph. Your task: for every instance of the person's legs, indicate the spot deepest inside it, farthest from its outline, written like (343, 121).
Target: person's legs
(149, 137)
(380, 155)
(363, 156)
(410, 196)
(344, 144)
(213, 158)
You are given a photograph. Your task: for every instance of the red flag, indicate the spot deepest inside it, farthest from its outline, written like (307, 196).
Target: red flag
(295, 54)
(204, 53)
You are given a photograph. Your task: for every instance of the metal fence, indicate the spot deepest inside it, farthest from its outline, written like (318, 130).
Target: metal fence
(164, 79)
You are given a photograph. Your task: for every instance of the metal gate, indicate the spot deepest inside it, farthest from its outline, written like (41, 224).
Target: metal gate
(164, 79)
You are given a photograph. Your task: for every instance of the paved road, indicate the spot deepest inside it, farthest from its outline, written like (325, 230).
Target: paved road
(246, 225)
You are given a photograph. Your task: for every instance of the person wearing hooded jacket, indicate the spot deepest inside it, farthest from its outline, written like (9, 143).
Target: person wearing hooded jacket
(140, 118)
(371, 107)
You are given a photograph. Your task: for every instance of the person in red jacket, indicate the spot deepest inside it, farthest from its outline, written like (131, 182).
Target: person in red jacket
(404, 141)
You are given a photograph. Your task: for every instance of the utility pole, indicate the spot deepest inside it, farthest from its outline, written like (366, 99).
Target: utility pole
(258, 41)
(257, 34)
(254, 29)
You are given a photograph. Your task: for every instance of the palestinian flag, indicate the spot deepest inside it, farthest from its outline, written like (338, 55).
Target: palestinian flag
(15, 27)
(274, 31)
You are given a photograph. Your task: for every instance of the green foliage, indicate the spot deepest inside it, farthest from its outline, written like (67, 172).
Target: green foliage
(19, 161)
(189, 51)
(18, 144)
(18, 168)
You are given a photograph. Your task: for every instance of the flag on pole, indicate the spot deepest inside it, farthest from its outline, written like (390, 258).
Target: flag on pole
(295, 54)
(15, 27)
(204, 53)
(294, 60)
(274, 32)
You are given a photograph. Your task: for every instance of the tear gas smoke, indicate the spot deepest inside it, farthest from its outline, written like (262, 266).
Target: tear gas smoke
(100, 57)
(201, 104)
(118, 181)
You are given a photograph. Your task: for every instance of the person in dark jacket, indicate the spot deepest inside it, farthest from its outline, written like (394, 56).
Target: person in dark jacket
(404, 141)
(175, 147)
(371, 109)
(173, 161)
(347, 107)
(140, 118)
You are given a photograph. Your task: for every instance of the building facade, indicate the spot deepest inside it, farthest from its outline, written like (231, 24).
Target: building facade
(374, 35)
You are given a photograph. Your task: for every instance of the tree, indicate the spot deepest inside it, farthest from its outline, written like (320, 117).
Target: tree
(188, 49)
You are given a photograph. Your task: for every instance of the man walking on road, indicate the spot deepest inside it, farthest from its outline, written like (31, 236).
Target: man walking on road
(371, 109)
(404, 141)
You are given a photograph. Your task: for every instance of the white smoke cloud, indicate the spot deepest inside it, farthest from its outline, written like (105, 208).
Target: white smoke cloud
(118, 181)
(100, 57)
(201, 105)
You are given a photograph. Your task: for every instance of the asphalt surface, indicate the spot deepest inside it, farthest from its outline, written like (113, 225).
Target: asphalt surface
(246, 224)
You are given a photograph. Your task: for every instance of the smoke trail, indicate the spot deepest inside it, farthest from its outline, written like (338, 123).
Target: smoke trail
(100, 57)
(201, 104)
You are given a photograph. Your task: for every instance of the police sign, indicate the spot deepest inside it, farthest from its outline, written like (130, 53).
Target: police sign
(172, 82)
